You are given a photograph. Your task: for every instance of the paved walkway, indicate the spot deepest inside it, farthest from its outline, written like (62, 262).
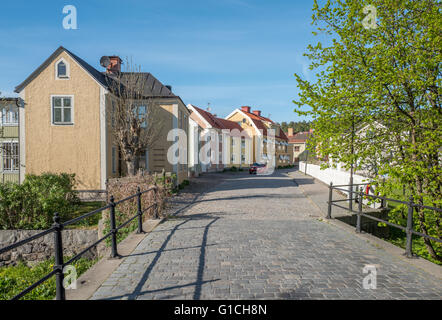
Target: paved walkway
(259, 237)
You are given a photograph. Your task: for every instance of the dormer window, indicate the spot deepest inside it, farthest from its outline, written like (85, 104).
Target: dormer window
(62, 70)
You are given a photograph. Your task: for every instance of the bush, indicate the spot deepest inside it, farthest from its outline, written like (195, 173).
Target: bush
(124, 187)
(233, 169)
(14, 279)
(32, 204)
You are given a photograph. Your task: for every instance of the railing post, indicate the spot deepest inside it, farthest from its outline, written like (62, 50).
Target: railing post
(409, 246)
(58, 255)
(358, 221)
(113, 228)
(330, 199)
(140, 212)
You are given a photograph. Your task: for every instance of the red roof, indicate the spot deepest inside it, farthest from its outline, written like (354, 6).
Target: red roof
(300, 137)
(216, 122)
(256, 117)
(258, 121)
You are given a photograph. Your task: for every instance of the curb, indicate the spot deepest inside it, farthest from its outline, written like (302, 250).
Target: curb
(93, 278)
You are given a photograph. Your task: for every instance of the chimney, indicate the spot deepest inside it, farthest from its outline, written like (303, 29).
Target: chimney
(246, 109)
(310, 131)
(290, 132)
(115, 64)
(169, 87)
(257, 112)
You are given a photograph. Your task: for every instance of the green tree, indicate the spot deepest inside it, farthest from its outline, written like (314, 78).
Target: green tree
(377, 96)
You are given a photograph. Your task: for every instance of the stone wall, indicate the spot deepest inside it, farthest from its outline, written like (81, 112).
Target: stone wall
(43, 248)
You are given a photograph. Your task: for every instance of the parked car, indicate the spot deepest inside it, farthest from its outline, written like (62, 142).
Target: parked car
(257, 167)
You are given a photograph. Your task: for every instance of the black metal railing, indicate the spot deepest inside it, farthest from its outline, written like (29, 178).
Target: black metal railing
(360, 197)
(58, 227)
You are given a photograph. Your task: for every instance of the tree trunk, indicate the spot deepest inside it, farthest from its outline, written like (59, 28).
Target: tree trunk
(131, 167)
(420, 211)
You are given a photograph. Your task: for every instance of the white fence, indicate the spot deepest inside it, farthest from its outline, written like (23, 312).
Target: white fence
(333, 175)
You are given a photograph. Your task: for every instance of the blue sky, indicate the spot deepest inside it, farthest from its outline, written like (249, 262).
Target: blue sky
(226, 52)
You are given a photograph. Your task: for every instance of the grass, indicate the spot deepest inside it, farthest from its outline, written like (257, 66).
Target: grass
(399, 238)
(14, 279)
(83, 208)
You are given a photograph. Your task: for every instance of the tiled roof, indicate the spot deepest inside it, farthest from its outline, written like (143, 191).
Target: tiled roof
(153, 87)
(300, 137)
(258, 121)
(256, 117)
(216, 122)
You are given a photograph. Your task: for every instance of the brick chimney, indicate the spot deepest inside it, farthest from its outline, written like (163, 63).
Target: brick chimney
(115, 64)
(257, 112)
(290, 132)
(310, 131)
(246, 109)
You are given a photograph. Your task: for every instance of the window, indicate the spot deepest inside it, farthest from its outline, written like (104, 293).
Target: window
(296, 148)
(10, 156)
(142, 160)
(62, 110)
(142, 110)
(114, 159)
(62, 70)
(9, 116)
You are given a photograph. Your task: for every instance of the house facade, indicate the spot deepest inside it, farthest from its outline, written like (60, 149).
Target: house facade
(259, 127)
(9, 141)
(298, 142)
(195, 132)
(230, 144)
(66, 123)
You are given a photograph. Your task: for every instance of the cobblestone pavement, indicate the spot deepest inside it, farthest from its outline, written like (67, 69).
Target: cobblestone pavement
(259, 237)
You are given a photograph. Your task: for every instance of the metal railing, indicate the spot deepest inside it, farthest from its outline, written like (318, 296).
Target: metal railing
(360, 197)
(57, 228)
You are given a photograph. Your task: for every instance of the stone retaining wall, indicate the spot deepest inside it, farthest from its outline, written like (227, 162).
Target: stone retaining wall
(43, 248)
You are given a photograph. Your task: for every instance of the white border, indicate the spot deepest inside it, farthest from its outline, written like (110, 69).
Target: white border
(68, 69)
(72, 110)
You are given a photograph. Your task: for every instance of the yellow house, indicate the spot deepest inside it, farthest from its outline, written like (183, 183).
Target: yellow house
(9, 147)
(65, 123)
(258, 127)
(298, 143)
(230, 142)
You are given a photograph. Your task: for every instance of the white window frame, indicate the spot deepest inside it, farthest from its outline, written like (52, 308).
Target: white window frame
(8, 109)
(72, 110)
(68, 70)
(3, 155)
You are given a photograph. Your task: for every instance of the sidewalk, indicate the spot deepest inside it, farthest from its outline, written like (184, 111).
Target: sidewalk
(318, 193)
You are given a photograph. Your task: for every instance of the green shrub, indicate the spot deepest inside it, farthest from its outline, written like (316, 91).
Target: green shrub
(14, 279)
(233, 169)
(32, 204)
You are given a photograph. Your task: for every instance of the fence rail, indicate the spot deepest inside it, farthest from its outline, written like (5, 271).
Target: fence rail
(58, 227)
(360, 197)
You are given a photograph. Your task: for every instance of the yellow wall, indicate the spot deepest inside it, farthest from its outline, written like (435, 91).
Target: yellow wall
(64, 148)
(279, 150)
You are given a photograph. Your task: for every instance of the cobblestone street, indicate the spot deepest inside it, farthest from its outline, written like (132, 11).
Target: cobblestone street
(260, 237)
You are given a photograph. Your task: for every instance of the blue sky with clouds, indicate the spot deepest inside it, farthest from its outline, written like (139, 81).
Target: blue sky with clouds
(226, 52)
